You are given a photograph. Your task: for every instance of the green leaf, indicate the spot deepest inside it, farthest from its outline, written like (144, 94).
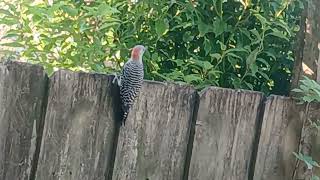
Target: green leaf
(207, 65)
(256, 33)
(236, 50)
(108, 25)
(307, 160)
(203, 28)
(262, 19)
(250, 86)
(278, 34)
(233, 55)
(8, 21)
(192, 78)
(264, 62)
(222, 46)
(162, 27)
(12, 44)
(207, 46)
(70, 10)
(236, 82)
(215, 56)
(106, 10)
(252, 56)
(285, 26)
(233, 61)
(219, 27)
(309, 90)
(10, 35)
(215, 73)
(160, 75)
(297, 90)
(49, 69)
(254, 68)
(264, 75)
(6, 12)
(155, 57)
(84, 26)
(187, 37)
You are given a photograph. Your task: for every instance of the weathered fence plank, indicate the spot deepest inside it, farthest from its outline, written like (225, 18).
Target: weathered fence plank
(79, 128)
(224, 134)
(309, 142)
(22, 93)
(314, 116)
(153, 144)
(280, 136)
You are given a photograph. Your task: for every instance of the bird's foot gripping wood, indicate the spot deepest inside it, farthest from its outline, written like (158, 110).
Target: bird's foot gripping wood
(116, 78)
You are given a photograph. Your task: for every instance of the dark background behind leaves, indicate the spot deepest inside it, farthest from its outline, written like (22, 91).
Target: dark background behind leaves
(243, 44)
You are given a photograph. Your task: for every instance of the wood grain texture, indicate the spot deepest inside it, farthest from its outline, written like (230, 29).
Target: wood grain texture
(314, 116)
(153, 144)
(280, 136)
(307, 52)
(309, 142)
(79, 128)
(22, 92)
(224, 134)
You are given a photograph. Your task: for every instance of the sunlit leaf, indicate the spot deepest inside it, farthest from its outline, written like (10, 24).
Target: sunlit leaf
(162, 27)
(12, 44)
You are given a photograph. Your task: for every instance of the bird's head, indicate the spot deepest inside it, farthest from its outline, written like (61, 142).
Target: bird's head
(137, 53)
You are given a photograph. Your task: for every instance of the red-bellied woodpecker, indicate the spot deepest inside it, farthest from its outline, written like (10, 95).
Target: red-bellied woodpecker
(130, 80)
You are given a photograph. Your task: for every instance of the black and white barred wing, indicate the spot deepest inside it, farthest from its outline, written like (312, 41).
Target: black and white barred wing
(131, 82)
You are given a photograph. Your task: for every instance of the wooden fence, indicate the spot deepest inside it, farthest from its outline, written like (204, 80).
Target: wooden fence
(65, 127)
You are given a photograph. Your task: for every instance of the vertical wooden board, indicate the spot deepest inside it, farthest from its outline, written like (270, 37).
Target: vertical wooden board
(280, 136)
(224, 134)
(22, 93)
(309, 142)
(314, 116)
(307, 52)
(79, 128)
(153, 143)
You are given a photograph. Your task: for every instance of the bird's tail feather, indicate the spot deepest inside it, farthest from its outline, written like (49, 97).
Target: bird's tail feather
(125, 113)
(124, 118)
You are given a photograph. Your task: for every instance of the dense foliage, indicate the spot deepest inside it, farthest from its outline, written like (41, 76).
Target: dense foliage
(229, 43)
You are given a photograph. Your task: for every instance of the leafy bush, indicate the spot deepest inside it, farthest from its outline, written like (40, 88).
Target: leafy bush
(65, 34)
(309, 92)
(228, 43)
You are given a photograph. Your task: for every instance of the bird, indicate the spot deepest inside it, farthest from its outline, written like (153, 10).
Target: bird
(130, 81)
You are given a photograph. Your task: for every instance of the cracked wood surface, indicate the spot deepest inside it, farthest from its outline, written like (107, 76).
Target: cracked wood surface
(79, 128)
(22, 91)
(224, 134)
(279, 138)
(153, 144)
